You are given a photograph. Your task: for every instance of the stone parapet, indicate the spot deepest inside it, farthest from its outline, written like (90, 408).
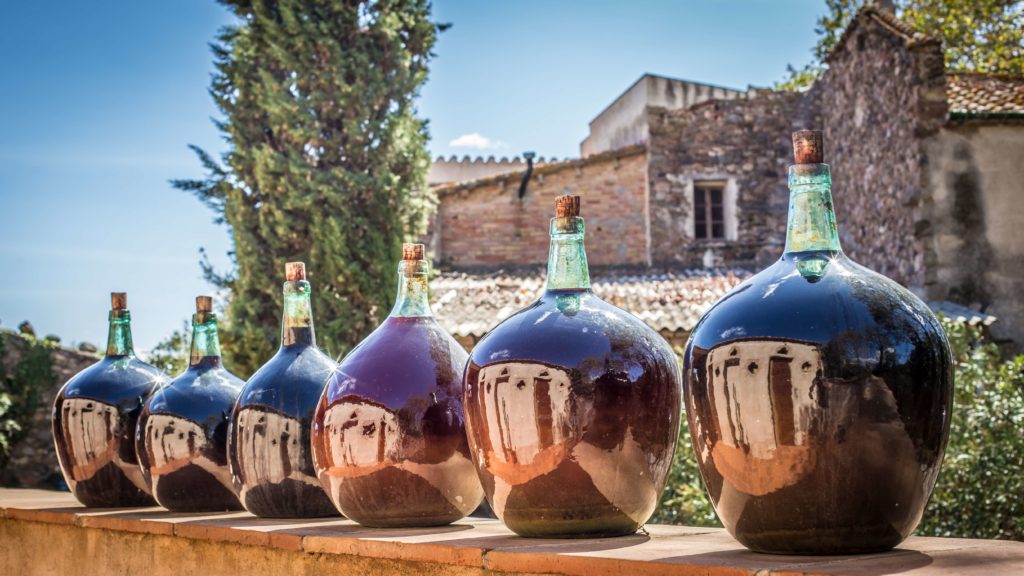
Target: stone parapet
(49, 533)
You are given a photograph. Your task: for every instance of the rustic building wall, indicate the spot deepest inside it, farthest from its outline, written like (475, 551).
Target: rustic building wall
(975, 170)
(745, 143)
(624, 122)
(33, 460)
(881, 98)
(486, 224)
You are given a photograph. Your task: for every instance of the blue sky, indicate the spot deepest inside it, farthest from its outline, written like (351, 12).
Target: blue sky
(100, 100)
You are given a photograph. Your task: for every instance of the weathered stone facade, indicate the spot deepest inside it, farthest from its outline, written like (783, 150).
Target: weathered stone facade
(33, 460)
(743, 143)
(486, 223)
(975, 255)
(881, 98)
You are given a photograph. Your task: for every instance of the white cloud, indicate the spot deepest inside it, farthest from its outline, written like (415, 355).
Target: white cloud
(476, 140)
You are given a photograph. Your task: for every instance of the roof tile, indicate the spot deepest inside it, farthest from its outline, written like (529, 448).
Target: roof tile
(985, 95)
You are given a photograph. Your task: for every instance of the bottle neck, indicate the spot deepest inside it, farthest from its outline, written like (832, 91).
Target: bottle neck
(812, 220)
(297, 322)
(413, 290)
(119, 336)
(205, 342)
(567, 258)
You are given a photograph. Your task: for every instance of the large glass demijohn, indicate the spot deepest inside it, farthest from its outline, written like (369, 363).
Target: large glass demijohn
(182, 432)
(389, 439)
(268, 437)
(572, 405)
(818, 392)
(94, 417)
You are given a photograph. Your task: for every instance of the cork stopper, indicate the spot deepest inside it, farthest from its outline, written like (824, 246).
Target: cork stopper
(808, 147)
(567, 206)
(118, 300)
(412, 252)
(204, 304)
(295, 271)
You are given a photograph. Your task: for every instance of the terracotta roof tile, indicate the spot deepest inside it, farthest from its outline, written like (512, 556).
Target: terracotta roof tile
(471, 304)
(985, 95)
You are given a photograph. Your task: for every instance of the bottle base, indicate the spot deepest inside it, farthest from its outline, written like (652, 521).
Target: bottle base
(836, 542)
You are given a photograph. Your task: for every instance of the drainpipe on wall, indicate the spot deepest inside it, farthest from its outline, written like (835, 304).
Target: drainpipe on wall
(529, 172)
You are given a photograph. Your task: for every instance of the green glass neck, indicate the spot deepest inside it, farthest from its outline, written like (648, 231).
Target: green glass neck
(413, 290)
(567, 258)
(812, 220)
(119, 337)
(205, 343)
(297, 323)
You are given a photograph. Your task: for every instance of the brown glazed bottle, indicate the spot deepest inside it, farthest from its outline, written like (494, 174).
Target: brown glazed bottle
(818, 392)
(389, 440)
(94, 417)
(268, 438)
(572, 406)
(182, 433)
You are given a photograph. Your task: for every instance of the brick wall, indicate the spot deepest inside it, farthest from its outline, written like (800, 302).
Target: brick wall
(485, 223)
(745, 142)
(882, 97)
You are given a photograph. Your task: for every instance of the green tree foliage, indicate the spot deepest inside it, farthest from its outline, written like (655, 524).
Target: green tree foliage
(171, 354)
(977, 35)
(22, 384)
(978, 492)
(326, 161)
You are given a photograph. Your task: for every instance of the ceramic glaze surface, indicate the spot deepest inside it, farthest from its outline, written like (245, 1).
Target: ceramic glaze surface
(94, 418)
(182, 439)
(269, 437)
(572, 410)
(818, 395)
(389, 441)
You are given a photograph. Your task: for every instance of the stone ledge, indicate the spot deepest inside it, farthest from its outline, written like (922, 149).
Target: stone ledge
(471, 546)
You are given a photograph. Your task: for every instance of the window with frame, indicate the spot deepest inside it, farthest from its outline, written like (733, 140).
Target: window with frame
(708, 211)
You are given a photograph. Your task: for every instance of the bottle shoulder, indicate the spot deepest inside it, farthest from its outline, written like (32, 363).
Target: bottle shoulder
(403, 358)
(203, 381)
(784, 301)
(565, 327)
(112, 378)
(295, 375)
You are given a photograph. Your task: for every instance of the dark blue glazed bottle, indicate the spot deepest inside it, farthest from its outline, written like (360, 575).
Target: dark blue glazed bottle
(818, 393)
(183, 430)
(268, 438)
(94, 417)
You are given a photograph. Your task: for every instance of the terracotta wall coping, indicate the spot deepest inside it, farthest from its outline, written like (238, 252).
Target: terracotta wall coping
(488, 546)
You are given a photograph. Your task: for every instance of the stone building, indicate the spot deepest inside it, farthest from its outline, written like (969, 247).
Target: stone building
(684, 190)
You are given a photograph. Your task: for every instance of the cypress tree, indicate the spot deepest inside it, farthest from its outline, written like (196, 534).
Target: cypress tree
(326, 161)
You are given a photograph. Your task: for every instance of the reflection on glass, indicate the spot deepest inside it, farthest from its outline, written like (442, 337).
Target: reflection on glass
(94, 418)
(269, 449)
(818, 393)
(182, 431)
(389, 438)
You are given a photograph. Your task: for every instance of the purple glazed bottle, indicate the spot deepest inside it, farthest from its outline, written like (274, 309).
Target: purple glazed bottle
(389, 441)
(572, 406)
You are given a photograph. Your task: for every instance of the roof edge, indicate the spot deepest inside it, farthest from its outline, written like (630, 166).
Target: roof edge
(887, 20)
(548, 168)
